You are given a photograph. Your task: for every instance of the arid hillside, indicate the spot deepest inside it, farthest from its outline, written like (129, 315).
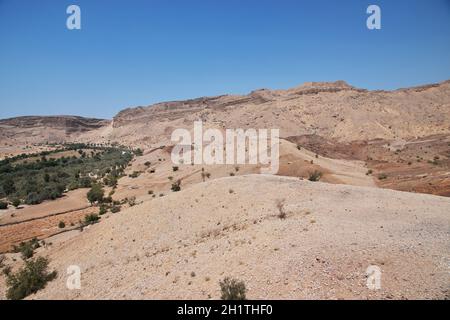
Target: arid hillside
(24, 134)
(332, 110)
(179, 246)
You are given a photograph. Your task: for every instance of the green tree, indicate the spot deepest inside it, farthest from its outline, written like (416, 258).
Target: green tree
(96, 194)
(8, 186)
(28, 280)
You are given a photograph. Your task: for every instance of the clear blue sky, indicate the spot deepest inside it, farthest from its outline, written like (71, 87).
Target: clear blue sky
(131, 53)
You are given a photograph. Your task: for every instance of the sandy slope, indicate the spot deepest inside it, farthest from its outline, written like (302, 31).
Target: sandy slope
(181, 245)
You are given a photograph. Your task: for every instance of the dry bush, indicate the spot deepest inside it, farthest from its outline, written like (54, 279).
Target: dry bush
(280, 206)
(232, 289)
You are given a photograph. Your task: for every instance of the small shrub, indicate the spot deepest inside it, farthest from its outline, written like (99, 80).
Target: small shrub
(176, 186)
(61, 225)
(148, 164)
(175, 168)
(370, 171)
(382, 176)
(28, 280)
(115, 209)
(27, 248)
(7, 270)
(3, 205)
(132, 201)
(150, 191)
(135, 174)
(280, 206)
(103, 210)
(16, 202)
(232, 289)
(91, 218)
(315, 176)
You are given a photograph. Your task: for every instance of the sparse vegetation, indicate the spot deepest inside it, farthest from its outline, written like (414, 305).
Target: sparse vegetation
(175, 168)
(27, 248)
(369, 172)
(28, 280)
(232, 289)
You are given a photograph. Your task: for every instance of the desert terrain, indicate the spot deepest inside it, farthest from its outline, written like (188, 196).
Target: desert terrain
(382, 199)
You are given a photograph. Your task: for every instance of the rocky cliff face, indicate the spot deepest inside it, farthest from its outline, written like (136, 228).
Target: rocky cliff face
(329, 109)
(38, 129)
(69, 123)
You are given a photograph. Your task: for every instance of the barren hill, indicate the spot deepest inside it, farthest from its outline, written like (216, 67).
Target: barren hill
(332, 110)
(179, 246)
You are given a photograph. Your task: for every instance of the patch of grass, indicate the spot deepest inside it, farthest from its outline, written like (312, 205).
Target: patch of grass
(232, 289)
(28, 280)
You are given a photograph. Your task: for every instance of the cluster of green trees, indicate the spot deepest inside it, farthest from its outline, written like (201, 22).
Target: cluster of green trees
(48, 178)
